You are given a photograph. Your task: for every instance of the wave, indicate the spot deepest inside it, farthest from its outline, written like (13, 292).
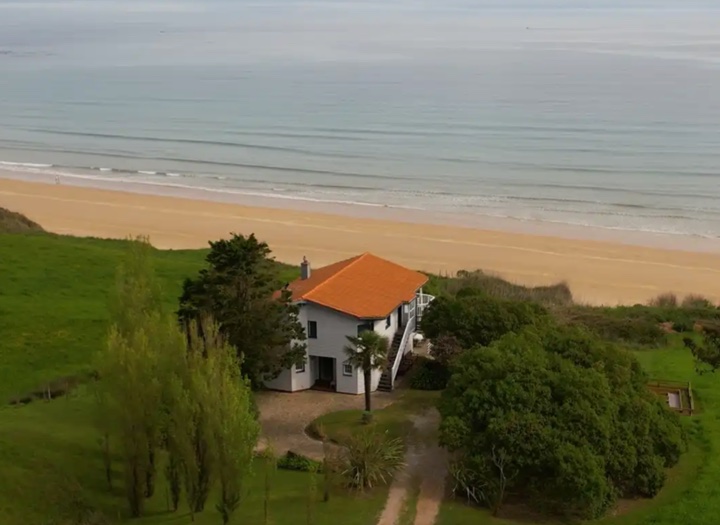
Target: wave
(368, 196)
(24, 164)
(199, 142)
(204, 163)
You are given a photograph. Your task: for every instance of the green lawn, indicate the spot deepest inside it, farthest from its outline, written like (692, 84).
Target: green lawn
(53, 318)
(54, 303)
(51, 464)
(395, 419)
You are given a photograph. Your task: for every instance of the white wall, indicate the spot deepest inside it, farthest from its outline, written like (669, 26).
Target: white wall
(303, 380)
(388, 332)
(332, 330)
(282, 382)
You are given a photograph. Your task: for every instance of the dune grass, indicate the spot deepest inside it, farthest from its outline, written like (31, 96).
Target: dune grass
(13, 222)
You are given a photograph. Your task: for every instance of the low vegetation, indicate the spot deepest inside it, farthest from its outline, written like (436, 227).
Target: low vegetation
(522, 381)
(555, 421)
(13, 222)
(558, 419)
(493, 286)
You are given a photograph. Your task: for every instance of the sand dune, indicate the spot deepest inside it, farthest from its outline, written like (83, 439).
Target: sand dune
(598, 272)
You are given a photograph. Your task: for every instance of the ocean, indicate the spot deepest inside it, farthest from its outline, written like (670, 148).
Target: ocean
(601, 114)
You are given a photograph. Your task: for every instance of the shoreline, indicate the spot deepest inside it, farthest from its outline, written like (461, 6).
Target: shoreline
(597, 271)
(368, 210)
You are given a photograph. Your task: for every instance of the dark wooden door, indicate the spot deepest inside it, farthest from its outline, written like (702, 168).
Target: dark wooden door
(327, 369)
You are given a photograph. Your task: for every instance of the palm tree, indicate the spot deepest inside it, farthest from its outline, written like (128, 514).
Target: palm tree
(367, 352)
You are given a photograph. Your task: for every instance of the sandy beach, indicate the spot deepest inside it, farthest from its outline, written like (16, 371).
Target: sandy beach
(598, 272)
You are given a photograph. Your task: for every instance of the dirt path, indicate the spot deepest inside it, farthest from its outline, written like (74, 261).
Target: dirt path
(426, 461)
(401, 485)
(432, 469)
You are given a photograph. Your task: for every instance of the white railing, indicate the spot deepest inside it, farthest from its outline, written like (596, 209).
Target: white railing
(409, 328)
(423, 300)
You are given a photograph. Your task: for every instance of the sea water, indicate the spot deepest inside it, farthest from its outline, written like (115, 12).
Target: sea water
(601, 113)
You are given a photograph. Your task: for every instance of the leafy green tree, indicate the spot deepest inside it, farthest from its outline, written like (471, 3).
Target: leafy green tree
(706, 354)
(560, 418)
(137, 294)
(367, 352)
(130, 390)
(477, 319)
(238, 289)
(199, 453)
(235, 428)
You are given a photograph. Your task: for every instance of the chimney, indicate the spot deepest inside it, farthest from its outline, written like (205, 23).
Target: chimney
(305, 269)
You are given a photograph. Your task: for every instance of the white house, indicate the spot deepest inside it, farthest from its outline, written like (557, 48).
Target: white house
(344, 299)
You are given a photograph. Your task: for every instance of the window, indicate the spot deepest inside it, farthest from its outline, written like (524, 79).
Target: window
(312, 330)
(347, 368)
(388, 321)
(365, 327)
(300, 368)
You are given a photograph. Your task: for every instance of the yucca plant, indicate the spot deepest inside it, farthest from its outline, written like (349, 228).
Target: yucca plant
(371, 458)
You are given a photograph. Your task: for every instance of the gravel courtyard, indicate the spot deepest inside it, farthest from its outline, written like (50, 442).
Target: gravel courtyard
(284, 417)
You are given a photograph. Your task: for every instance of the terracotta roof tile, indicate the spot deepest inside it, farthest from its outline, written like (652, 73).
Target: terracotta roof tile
(364, 286)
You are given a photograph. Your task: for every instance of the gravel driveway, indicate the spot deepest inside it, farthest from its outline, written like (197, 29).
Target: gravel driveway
(284, 417)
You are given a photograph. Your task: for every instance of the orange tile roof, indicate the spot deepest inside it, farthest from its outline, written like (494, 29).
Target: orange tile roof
(364, 286)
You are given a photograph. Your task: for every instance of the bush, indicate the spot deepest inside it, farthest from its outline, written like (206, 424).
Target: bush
(13, 222)
(294, 461)
(638, 330)
(683, 326)
(697, 301)
(316, 431)
(560, 418)
(666, 300)
(466, 281)
(477, 319)
(428, 374)
(371, 459)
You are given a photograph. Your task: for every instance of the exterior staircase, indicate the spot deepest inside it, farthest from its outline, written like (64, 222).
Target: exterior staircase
(386, 382)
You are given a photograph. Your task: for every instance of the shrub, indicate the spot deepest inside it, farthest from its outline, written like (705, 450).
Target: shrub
(445, 349)
(683, 326)
(697, 301)
(428, 374)
(560, 418)
(633, 330)
(294, 461)
(367, 417)
(666, 300)
(493, 286)
(478, 319)
(371, 459)
(13, 222)
(316, 431)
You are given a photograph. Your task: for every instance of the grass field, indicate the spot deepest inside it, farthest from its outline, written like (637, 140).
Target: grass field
(53, 318)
